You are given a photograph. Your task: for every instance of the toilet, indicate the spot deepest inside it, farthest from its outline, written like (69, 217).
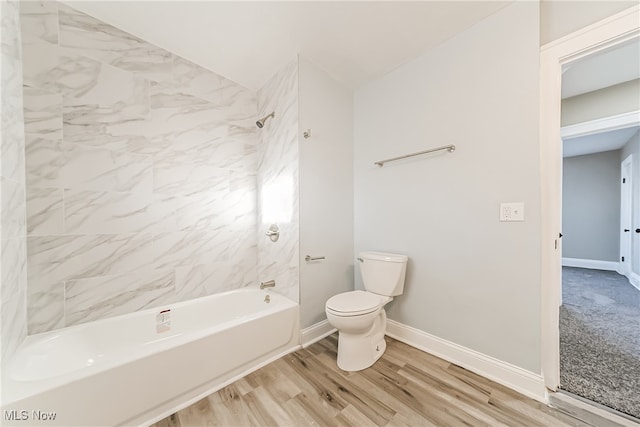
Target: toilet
(359, 316)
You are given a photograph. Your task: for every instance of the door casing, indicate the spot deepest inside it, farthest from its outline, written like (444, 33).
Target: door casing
(602, 35)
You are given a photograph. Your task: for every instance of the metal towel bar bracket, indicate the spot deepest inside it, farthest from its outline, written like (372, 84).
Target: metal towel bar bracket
(449, 148)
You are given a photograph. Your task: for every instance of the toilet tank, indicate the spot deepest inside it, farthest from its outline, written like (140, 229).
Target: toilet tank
(383, 273)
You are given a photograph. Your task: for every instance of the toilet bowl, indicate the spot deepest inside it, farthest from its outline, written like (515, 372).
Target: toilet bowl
(359, 315)
(361, 331)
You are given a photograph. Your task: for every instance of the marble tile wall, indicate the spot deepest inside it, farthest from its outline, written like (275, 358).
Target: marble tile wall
(140, 172)
(13, 255)
(278, 198)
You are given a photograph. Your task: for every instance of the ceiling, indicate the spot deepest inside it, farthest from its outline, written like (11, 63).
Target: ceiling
(613, 66)
(597, 143)
(248, 42)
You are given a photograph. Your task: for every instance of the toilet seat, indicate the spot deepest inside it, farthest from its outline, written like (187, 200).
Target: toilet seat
(354, 303)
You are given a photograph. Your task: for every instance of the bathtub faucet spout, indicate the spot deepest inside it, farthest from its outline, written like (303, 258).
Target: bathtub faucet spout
(269, 284)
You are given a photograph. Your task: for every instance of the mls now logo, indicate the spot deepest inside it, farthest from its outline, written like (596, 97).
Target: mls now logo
(24, 415)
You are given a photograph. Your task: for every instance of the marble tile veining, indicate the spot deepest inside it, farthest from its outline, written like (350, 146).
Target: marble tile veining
(185, 248)
(40, 65)
(188, 180)
(39, 22)
(100, 87)
(98, 40)
(46, 306)
(63, 165)
(195, 80)
(94, 212)
(43, 162)
(67, 257)
(97, 298)
(140, 168)
(42, 113)
(13, 293)
(13, 220)
(101, 169)
(12, 142)
(13, 256)
(208, 279)
(45, 212)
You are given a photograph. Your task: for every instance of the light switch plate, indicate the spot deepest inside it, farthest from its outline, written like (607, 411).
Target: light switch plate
(512, 211)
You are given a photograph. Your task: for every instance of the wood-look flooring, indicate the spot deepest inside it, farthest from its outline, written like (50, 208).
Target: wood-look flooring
(406, 387)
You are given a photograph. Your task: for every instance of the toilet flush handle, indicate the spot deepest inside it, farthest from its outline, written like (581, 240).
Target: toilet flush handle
(360, 259)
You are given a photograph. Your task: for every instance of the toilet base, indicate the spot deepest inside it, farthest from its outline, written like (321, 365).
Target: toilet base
(359, 351)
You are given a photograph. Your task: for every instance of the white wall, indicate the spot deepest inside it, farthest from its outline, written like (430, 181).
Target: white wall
(633, 147)
(591, 206)
(326, 190)
(561, 17)
(610, 101)
(471, 279)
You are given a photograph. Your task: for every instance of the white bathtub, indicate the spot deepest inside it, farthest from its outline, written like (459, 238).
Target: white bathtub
(138, 368)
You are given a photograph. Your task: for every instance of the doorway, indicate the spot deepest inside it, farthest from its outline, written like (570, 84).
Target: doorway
(595, 39)
(600, 309)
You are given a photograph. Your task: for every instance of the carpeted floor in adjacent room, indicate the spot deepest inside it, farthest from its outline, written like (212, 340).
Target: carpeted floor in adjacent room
(600, 338)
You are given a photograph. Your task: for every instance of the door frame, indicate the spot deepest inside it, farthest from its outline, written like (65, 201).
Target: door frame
(604, 34)
(626, 215)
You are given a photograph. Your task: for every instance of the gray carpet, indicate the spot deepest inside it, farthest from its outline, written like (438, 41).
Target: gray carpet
(600, 338)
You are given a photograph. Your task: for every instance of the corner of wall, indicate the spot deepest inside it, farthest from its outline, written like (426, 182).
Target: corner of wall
(13, 252)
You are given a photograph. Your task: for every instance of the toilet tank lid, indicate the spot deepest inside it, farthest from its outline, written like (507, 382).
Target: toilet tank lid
(384, 256)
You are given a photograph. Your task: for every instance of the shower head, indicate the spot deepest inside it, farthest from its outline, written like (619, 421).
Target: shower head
(260, 123)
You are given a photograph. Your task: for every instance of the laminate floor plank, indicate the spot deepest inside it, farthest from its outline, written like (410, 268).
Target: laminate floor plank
(279, 386)
(397, 388)
(428, 403)
(337, 384)
(403, 419)
(357, 418)
(406, 352)
(230, 408)
(452, 397)
(265, 410)
(405, 388)
(315, 378)
(198, 414)
(243, 386)
(322, 413)
(440, 378)
(300, 415)
(312, 397)
(543, 414)
(379, 393)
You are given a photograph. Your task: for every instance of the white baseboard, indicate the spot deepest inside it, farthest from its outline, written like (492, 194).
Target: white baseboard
(634, 279)
(514, 377)
(315, 333)
(593, 264)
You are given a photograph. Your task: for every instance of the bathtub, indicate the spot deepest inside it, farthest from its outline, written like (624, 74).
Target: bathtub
(139, 368)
